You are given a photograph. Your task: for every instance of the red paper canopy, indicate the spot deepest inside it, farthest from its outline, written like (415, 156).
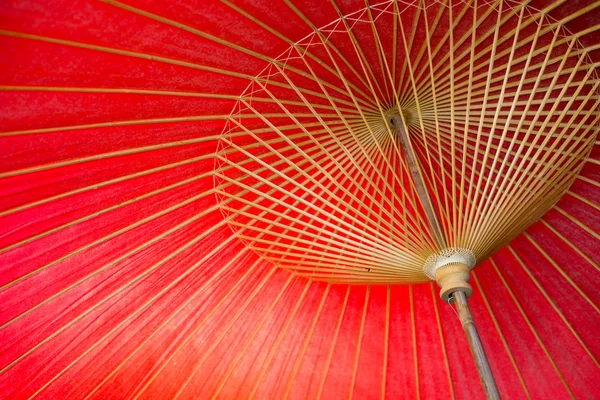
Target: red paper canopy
(121, 275)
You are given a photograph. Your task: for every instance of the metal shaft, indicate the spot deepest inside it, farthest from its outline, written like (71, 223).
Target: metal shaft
(466, 319)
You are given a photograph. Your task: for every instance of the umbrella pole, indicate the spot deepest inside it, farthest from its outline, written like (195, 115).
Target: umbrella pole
(453, 278)
(398, 124)
(468, 324)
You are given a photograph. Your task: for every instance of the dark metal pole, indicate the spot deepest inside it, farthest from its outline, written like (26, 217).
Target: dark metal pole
(466, 319)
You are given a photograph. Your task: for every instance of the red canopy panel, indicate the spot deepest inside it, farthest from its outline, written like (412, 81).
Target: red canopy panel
(121, 277)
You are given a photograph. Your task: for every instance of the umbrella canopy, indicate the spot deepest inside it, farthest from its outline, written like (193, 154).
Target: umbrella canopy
(211, 199)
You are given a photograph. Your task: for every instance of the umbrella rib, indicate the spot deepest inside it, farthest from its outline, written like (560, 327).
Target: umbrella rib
(376, 143)
(327, 43)
(322, 170)
(577, 222)
(88, 217)
(217, 40)
(116, 123)
(508, 233)
(98, 185)
(424, 194)
(402, 83)
(445, 172)
(372, 177)
(295, 189)
(277, 201)
(124, 52)
(562, 272)
(293, 207)
(301, 211)
(531, 327)
(306, 342)
(108, 237)
(423, 83)
(501, 334)
(476, 217)
(448, 160)
(148, 121)
(442, 341)
(274, 346)
(222, 335)
(318, 117)
(350, 233)
(463, 206)
(392, 139)
(500, 70)
(134, 175)
(306, 226)
(335, 206)
(452, 225)
(571, 244)
(241, 353)
(129, 317)
(113, 295)
(588, 180)
(295, 45)
(340, 224)
(167, 361)
(359, 340)
(583, 199)
(173, 314)
(553, 304)
(103, 240)
(102, 211)
(376, 187)
(373, 171)
(333, 344)
(413, 325)
(160, 93)
(449, 227)
(558, 24)
(281, 337)
(419, 8)
(360, 52)
(514, 187)
(360, 254)
(442, 76)
(386, 340)
(111, 154)
(394, 44)
(470, 215)
(138, 277)
(151, 57)
(574, 154)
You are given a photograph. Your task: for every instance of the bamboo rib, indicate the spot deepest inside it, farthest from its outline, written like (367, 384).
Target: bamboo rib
(73, 363)
(502, 337)
(333, 343)
(182, 344)
(553, 304)
(174, 353)
(442, 341)
(493, 153)
(120, 325)
(531, 328)
(239, 282)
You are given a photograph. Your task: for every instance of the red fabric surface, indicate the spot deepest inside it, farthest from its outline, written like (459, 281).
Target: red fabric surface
(120, 277)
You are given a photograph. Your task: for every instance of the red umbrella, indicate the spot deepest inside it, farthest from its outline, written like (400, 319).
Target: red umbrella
(219, 199)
